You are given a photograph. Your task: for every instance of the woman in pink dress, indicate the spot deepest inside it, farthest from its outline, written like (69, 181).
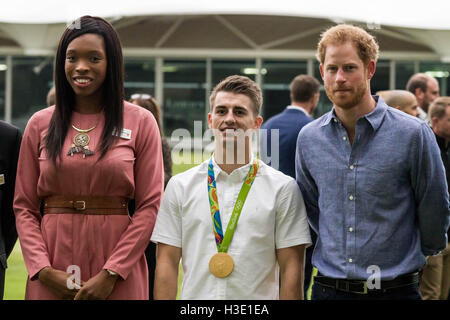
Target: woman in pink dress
(83, 158)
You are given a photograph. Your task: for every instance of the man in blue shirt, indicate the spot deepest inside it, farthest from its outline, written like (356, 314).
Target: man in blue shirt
(279, 139)
(372, 180)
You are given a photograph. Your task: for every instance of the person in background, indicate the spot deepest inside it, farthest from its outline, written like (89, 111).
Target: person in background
(372, 179)
(435, 282)
(400, 99)
(238, 225)
(304, 94)
(426, 89)
(51, 97)
(10, 138)
(148, 102)
(85, 157)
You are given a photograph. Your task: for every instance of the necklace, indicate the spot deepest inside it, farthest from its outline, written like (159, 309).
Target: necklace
(81, 142)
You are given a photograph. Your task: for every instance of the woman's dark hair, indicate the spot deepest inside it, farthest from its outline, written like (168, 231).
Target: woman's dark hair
(113, 91)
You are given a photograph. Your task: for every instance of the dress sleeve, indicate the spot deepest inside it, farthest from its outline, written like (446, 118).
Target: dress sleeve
(149, 184)
(27, 202)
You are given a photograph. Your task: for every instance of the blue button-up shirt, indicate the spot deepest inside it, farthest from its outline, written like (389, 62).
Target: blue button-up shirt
(381, 201)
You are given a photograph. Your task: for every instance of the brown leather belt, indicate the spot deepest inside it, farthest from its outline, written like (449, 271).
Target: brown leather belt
(85, 205)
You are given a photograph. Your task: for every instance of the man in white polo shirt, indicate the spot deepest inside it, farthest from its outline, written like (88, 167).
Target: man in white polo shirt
(239, 225)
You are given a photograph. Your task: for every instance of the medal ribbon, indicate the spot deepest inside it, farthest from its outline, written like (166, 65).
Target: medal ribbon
(223, 242)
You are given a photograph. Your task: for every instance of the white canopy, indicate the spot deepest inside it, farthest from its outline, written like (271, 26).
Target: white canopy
(421, 14)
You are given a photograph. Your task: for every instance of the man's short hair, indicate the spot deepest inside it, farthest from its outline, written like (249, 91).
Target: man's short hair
(418, 80)
(239, 85)
(303, 88)
(364, 42)
(438, 107)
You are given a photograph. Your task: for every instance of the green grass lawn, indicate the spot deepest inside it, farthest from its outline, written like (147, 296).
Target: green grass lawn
(16, 273)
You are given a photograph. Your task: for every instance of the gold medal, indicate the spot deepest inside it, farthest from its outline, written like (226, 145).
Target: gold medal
(221, 265)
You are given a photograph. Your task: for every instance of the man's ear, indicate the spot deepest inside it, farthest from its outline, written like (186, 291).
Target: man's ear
(371, 69)
(419, 94)
(321, 70)
(209, 120)
(258, 122)
(434, 122)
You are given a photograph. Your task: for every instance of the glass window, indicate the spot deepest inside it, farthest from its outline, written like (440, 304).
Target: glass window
(32, 79)
(380, 80)
(139, 76)
(403, 71)
(438, 70)
(2, 87)
(222, 69)
(184, 95)
(276, 77)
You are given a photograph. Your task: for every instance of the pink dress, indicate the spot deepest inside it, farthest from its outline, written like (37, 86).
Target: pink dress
(133, 168)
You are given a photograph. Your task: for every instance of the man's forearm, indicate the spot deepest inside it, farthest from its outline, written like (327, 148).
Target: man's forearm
(166, 282)
(291, 284)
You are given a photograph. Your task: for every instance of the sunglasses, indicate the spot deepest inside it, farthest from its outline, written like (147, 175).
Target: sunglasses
(143, 96)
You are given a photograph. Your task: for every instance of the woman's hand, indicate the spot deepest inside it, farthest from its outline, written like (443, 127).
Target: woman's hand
(98, 287)
(57, 282)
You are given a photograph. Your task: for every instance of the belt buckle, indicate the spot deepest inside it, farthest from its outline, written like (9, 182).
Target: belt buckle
(346, 287)
(83, 205)
(346, 284)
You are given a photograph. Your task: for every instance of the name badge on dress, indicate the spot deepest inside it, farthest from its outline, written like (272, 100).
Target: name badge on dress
(2, 179)
(125, 134)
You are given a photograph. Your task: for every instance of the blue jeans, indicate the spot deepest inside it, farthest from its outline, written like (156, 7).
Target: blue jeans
(410, 292)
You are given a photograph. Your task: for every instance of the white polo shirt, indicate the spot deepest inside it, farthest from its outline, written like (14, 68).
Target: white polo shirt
(273, 217)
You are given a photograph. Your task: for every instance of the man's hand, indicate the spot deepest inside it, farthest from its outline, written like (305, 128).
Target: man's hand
(56, 282)
(98, 287)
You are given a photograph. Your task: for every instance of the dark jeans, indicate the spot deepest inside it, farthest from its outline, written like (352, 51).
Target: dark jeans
(410, 292)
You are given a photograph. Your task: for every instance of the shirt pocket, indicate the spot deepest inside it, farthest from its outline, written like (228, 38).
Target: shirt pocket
(380, 181)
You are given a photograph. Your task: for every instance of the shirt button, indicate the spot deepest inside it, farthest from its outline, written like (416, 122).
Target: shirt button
(352, 167)
(335, 120)
(344, 138)
(351, 197)
(350, 229)
(350, 260)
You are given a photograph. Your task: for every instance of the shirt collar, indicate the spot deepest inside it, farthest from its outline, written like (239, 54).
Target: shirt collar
(375, 117)
(298, 108)
(241, 172)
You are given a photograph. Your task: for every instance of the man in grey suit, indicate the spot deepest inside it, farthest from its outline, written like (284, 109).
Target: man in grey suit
(10, 139)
